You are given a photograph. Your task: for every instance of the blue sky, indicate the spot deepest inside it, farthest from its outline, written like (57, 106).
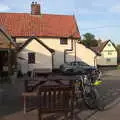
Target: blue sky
(100, 17)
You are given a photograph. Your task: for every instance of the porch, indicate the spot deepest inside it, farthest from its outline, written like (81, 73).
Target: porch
(7, 62)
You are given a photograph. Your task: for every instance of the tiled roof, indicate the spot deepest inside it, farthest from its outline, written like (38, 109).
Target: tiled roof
(6, 40)
(100, 47)
(95, 49)
(44, 25)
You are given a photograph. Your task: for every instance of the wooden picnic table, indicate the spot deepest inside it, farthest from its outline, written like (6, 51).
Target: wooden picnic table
(31, 84)
(51, 95)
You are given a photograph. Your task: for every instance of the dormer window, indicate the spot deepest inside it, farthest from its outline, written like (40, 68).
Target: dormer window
(63, 41)
(109, 44)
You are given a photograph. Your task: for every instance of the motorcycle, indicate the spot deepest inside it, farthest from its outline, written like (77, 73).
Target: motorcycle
(87, 84)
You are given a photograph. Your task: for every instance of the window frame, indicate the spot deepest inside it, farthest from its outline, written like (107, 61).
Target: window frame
(63, 41)
(109, 53)
(108, 60)
(30, 61)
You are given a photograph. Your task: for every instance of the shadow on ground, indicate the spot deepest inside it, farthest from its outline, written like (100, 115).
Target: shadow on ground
(109, 92)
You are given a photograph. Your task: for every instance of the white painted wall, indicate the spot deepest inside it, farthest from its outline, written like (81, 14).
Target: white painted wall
(53, 43)
(82, 53)
(43, 58)
(85, 54)
(103, 59)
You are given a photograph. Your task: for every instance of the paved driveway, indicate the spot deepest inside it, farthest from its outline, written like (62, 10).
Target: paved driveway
(12, 108)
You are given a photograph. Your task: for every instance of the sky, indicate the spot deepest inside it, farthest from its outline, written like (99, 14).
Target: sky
(99, 17)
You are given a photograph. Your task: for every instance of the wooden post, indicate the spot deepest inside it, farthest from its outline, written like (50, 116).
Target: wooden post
(26, 85)
(24, 104)
(9, 59)
(39, 115)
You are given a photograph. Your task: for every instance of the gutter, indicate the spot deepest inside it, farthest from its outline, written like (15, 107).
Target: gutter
(52, 60)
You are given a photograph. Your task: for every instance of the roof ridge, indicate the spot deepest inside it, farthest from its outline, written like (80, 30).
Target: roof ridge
(36, 15)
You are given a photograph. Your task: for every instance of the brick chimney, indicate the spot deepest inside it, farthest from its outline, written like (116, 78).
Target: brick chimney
(35, 8)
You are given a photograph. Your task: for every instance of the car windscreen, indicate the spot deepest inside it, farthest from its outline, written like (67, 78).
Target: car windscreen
(83, 64)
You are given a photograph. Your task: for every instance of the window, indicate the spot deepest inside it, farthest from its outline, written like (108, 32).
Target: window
(109, 44)
(31, 58)
(14, 39)
(74, 64)
(108, 59)
(83, 64)
(109, 53)
(63, 41)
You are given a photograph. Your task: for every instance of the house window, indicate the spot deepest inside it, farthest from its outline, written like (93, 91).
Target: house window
(14, 39)
(31, 58)
(63, 41)
(108, 59)
(109, 44)
(109, 53)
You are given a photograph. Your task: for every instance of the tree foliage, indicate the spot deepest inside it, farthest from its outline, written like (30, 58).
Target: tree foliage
(118, 50)
(89, 40)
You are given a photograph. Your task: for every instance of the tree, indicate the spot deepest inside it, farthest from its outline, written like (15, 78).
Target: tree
(89, 40)
(118, 51)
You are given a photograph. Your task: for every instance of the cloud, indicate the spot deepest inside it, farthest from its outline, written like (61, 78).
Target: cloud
(115, 8)
(4, 8)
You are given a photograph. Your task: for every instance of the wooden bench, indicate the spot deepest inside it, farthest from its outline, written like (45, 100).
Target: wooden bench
(51, 99)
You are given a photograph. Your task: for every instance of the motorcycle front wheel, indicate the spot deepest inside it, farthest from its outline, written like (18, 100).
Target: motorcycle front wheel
(92, 98)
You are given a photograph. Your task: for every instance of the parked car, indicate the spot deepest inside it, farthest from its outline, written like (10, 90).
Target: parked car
(77, 67)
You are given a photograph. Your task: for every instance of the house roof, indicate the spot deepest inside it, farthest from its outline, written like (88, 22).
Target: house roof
(95, 51)
(101, 46)
(6, 40)
(39, 41)
(44, 25)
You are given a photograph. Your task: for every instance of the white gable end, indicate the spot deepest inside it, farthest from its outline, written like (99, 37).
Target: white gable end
(108, 55)
(109, 47)
(43, 57)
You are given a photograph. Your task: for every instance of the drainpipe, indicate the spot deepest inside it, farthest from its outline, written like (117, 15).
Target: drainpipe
(52, 61)
(95, 58)
(9, 59)
(75, 51)
(66, 50)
